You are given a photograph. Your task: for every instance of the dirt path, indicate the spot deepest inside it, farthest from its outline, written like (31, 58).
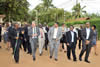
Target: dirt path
(6, 59)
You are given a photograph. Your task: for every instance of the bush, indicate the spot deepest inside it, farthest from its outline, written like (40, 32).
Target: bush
(92, 21)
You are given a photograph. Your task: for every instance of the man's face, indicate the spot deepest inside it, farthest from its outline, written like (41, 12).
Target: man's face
(16, 25)
(87, 25)
(56, 25)
(71, 28)
(33, 24)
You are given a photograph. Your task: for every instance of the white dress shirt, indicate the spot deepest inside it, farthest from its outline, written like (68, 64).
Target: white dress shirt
(88, 33)
(72, 33)
(34, 32)
(44, 29)
(55, 33)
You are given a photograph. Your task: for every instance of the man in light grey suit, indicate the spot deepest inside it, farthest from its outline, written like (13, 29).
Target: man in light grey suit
(54, 36)
(87, 37)
(33, 34)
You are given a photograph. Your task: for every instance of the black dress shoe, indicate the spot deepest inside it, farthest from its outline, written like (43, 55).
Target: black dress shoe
(46, 49)
(69, 58)
(28, 52)
(17, 62)
(50, 57)
(87, 61)
(0, 47)
(80, 59)
(74, 60)
(40, 54)
(79, 47)
(34, 59)
(56, 59)
(12, 53)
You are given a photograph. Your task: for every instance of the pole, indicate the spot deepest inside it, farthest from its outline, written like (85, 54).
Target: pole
(36, 16)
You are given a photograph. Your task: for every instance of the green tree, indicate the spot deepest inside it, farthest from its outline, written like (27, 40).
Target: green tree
(16, 10)
(78, 10)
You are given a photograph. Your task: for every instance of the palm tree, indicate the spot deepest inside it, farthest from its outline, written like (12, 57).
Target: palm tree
(78, 10)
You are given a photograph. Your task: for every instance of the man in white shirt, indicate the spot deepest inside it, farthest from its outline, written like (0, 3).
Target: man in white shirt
(71, 40)
(55, 32)
(33, 34)
(54, 36)
(87, 37)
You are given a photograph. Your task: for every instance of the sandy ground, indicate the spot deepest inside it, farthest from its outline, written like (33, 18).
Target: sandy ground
(6, 59)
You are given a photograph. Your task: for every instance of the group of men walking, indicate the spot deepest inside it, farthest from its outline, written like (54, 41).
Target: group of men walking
(32, 36)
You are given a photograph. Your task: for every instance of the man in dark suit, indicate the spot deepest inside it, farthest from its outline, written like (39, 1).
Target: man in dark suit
(79, 36)
(87, 36)
(16, 41)
(71, 39)
(26, 39)
(46, 29)
(23, 38)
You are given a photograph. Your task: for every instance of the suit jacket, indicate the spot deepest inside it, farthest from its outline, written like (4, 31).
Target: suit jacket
(30, 32)
(69, 37)
(51, 33)
(14, 32)
(84, 34)
(79, 34)
(26, 32)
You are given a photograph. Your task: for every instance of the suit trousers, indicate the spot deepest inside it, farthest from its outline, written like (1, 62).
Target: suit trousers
(34, 43)
(87, 50)
(46, 41)
(54, 45)
(28, 46)
(80, 44)
(71, 48)
(24, 43)
(16, 50)
(41, 44)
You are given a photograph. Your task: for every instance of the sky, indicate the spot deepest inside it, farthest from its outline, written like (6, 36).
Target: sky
(92, 6)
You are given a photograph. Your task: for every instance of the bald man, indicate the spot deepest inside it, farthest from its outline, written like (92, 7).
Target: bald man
(87, 37)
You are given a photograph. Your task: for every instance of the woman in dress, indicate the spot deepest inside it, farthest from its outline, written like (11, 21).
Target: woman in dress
(94, 39)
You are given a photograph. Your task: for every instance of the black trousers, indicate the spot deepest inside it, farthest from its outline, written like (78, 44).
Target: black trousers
(71, 48)
(28, 46)
(16, 51)
(12, 41)
(87, 50)
(46, 41)
(80, 41)
(24, 43)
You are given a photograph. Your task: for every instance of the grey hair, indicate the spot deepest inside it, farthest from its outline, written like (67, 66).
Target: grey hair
(87, 22)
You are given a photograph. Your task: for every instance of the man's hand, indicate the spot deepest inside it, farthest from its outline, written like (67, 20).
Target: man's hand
(34, 35)
(67, 44)
(22, 32)
(56, 39)
(17, 38)
(87, 42)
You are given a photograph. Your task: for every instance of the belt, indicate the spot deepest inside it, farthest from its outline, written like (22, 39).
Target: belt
(54, 38)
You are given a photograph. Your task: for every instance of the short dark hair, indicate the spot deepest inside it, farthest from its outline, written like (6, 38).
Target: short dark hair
(71, 26)
(94, 26)
(57, 23)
